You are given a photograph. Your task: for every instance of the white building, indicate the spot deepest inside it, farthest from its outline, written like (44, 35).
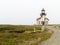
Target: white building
(42, 19)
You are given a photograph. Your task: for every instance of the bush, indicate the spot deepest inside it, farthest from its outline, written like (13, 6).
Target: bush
(6, 28)
(21, 31)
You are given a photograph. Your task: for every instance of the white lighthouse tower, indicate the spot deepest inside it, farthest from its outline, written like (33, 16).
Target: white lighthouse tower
(42, 19)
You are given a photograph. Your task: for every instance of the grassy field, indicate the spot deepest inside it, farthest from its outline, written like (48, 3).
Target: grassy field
(18, 35)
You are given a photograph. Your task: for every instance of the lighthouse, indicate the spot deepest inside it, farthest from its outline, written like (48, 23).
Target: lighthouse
(42, 20)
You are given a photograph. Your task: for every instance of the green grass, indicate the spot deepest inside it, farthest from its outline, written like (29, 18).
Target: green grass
(7, 38)
(14, 39)
(19, 27)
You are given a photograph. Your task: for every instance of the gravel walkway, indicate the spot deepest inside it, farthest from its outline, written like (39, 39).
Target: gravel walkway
(55, 38)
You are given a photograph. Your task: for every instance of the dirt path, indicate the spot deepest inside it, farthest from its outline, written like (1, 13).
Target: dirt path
(55, 38)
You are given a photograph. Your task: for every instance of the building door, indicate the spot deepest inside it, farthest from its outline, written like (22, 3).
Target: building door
(43, 23)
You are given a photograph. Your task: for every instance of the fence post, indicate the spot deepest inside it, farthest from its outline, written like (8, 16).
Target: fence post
(34, 28)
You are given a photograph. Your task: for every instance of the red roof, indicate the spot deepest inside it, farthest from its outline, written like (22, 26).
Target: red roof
(40, 18)
(47, 19)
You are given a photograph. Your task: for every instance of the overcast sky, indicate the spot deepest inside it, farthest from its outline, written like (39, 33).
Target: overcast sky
(26, 11)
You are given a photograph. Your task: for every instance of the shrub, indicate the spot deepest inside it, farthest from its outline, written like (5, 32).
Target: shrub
(21, 31)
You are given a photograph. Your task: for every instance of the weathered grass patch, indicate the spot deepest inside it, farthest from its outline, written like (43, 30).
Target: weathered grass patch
(32, 38)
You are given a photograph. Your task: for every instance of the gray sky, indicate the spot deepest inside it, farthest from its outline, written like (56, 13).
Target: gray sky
(26, 11)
